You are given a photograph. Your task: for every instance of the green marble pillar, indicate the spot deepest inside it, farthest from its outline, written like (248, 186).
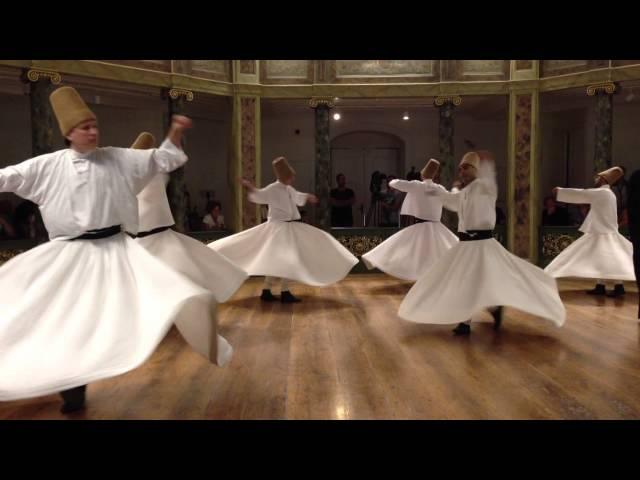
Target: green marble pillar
(603, 131)
(322, 109)
(43, 126)
(446, 130)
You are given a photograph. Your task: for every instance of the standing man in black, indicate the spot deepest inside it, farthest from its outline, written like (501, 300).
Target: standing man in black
(342, 200)
(633, 205)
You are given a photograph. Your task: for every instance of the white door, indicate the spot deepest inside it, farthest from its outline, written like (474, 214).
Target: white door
(358, 164)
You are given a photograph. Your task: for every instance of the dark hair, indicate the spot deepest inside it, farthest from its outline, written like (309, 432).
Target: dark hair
(67, 142)
(340, 175)
(548, 197)
(213, 205)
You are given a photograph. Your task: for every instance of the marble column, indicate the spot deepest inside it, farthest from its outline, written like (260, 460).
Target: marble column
(244, 160)
(177, 189)
(43, 125)
(322, 107)
(522, 172)
(446, 129)
(603, 154)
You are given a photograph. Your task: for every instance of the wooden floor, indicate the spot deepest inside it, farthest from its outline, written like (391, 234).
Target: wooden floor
(344, 354)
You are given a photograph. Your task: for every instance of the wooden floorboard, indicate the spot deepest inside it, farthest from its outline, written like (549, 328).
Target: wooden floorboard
(343, 353)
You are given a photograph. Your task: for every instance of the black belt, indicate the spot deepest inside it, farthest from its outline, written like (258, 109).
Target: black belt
(100, 233)
(422, 220)
(151, 232)
(298, 220)
(472, 235)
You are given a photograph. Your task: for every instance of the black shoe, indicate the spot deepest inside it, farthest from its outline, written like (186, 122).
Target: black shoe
(617, 291)
(462, 329)
(497, 318)
(74, 399)
(599, 290)
(267, 296)
(287, 297)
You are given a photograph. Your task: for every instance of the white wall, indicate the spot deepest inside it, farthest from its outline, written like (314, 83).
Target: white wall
(554, 126)
(208, 149)
(15, 134)
(207, 143)
(419, 134)
(577, 116)
(626, 135)
(279, 139)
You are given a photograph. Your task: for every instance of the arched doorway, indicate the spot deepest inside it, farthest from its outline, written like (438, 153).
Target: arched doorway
(358, 155)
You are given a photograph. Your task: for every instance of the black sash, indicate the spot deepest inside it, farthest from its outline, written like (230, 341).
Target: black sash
(151, 232)
(100, 233)
(472, 235)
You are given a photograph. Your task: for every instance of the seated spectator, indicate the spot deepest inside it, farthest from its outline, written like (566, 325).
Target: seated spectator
(213, 220)
(554, 215)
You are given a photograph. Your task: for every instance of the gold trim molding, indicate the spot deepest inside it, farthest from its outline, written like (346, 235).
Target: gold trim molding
(316, 101)
(608, 87)
(175, 93)
(34, 75)
(441, 100)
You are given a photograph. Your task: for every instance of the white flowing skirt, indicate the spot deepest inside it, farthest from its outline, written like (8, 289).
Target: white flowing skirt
(410, 252)
(73, 312)
(475, 275)
(208, 269)
(608, 256)
(291, 250)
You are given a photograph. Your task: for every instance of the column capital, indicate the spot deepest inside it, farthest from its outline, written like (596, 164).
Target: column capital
(176, 93)
(315, 102)
(33, 75)
(442, 99)
(606, 87)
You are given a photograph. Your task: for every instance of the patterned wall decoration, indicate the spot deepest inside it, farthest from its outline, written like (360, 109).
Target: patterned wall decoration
(481, 70)
(603, 137)
(523, 126)
(372, 68)
(8, 254)
(211, 69)
(550, 68)
(248, 67)
(555, 242)
(159, 65)
(286, 71)
(524, 64)
(248, 120)
(358, 245)
(381, 71)
(322, 70)
(624, 63)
